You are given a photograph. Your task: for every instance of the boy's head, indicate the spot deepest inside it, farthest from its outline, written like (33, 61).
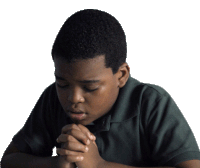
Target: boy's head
(89, 55)
(89, 33)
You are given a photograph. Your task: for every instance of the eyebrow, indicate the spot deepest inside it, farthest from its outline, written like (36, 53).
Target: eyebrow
(82, 81)
(58, 77)
(89, 81)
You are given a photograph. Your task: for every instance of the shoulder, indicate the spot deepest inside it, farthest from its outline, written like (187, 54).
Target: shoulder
(144, 91)
(136, 97)
(152, 88)
(148, 99)
(154, 93)
(51, 89)
(48, 103)
(155, 100)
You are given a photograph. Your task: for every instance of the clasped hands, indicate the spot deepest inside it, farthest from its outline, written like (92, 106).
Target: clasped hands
(78, 148)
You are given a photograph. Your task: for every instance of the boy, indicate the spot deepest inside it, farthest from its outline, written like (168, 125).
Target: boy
(95, 113)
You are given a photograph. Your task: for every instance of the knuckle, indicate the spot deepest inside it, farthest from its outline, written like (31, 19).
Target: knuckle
(83, 128)
(61, 138)
(67, 152)
(70, 132)
(70, 138)
(79, 125)
(86, 131)
(73, 126)
(74, 133)
(65, 145)
(64, 129)
(85, 138)
(73, 158)
(82, 147)
(61, 152)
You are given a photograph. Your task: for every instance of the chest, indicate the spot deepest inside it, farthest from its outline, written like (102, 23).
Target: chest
(124, 143)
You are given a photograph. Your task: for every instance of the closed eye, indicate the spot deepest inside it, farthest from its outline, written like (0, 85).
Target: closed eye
(90, 90)
(62, 86)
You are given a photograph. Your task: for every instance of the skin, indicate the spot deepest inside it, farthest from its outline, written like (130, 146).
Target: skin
(76, 142)
(83, 85)
(91, 157)
(88, 86)
(78, 147)
(95, 99)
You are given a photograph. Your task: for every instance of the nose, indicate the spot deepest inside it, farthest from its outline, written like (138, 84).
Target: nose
(75, 96)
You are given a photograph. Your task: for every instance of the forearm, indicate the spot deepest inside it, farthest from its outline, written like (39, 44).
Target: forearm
(22, 160)
(117, 165)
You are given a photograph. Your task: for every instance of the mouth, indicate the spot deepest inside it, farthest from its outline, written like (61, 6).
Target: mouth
(77, 115)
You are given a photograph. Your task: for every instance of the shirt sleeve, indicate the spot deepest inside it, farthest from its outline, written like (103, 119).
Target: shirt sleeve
(37, 135)
(170, 138)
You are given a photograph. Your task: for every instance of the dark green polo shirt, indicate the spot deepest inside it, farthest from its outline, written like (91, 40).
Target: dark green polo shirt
(144, 128)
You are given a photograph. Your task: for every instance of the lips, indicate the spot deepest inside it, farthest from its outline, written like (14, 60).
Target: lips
(77, 115)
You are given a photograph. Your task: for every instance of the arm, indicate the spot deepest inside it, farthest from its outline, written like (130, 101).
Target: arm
(91, 156)
(186, 164)
(14, 158)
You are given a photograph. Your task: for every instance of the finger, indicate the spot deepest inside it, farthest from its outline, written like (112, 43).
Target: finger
(75, 146)
(94, 143)
(66, 128)
(73, 159)
(87, 132)
(65, 138)
(79, 135)
(73, 135)
(63, 152)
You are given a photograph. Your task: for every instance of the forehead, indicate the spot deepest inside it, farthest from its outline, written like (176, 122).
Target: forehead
(82, 69)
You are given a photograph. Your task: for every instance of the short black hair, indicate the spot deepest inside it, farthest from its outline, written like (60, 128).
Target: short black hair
(89, 33)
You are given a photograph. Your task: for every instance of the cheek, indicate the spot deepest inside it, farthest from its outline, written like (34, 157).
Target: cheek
(99, 103)
(62, 97)
(104, 100)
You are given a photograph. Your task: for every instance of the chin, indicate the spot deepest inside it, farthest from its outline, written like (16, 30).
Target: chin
(82, 122)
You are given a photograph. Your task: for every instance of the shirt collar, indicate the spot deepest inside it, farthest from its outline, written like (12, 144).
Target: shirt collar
(124, 107)
(102, 124)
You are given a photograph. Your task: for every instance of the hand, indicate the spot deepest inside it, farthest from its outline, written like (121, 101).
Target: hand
(74, 139)
(91, 158)
(78, 141)
(62, 163)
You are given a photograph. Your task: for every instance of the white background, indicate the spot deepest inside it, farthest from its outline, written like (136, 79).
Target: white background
(163, 48)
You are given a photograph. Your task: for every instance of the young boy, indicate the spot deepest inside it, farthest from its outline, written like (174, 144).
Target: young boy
(95, 113)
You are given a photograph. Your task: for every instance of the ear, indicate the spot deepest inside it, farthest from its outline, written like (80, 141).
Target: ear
(123, 74)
